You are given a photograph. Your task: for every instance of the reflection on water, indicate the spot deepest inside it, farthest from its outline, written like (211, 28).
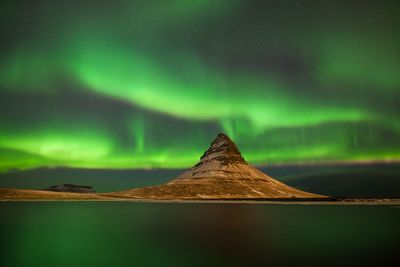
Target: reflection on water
(154, 234)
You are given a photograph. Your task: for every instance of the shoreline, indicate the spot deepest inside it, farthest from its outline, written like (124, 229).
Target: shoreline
(356, 202)
(22, 195)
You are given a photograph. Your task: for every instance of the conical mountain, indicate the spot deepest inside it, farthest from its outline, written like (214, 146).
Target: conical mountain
(222, 149)
(221, 173)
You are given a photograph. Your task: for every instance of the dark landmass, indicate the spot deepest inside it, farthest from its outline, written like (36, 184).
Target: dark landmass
(351, 184)
(71, 188)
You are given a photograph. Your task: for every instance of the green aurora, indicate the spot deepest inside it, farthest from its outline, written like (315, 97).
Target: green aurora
(148, 84)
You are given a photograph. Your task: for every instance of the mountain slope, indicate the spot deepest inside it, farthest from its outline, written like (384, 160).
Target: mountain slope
(222, 173)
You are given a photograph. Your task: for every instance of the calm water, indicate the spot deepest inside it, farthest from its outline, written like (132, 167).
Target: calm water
(154, 234)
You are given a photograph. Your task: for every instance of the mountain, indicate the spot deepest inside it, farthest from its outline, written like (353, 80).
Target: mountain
(221, 173)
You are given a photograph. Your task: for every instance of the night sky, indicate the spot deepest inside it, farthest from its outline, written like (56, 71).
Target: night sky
(149, 84)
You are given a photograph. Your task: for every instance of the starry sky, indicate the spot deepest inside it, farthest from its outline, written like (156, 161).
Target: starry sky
(149, 84)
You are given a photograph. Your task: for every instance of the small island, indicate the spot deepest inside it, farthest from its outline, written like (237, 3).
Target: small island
(72, 188)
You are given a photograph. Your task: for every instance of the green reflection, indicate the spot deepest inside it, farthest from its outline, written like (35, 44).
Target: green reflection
(126, 234)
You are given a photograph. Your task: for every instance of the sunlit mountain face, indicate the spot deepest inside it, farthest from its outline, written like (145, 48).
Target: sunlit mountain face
(149, 84)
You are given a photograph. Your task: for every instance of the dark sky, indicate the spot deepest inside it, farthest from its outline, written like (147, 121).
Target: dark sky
(144, 84)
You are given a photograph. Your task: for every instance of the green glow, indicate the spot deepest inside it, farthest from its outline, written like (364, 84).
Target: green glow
(369, 65)
(147, 85)
(139, 133)
(61, 146)
(123, 74)
(54, 145)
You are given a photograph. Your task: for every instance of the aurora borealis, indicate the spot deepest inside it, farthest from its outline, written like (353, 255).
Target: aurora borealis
(149, 84)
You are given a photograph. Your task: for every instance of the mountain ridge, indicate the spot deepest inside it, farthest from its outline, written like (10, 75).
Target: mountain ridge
(221, 173)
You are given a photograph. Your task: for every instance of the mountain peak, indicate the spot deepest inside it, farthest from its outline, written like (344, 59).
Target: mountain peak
(224, 150)
(222, 173)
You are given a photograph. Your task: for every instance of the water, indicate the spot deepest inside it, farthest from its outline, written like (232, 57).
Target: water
(164, 234)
